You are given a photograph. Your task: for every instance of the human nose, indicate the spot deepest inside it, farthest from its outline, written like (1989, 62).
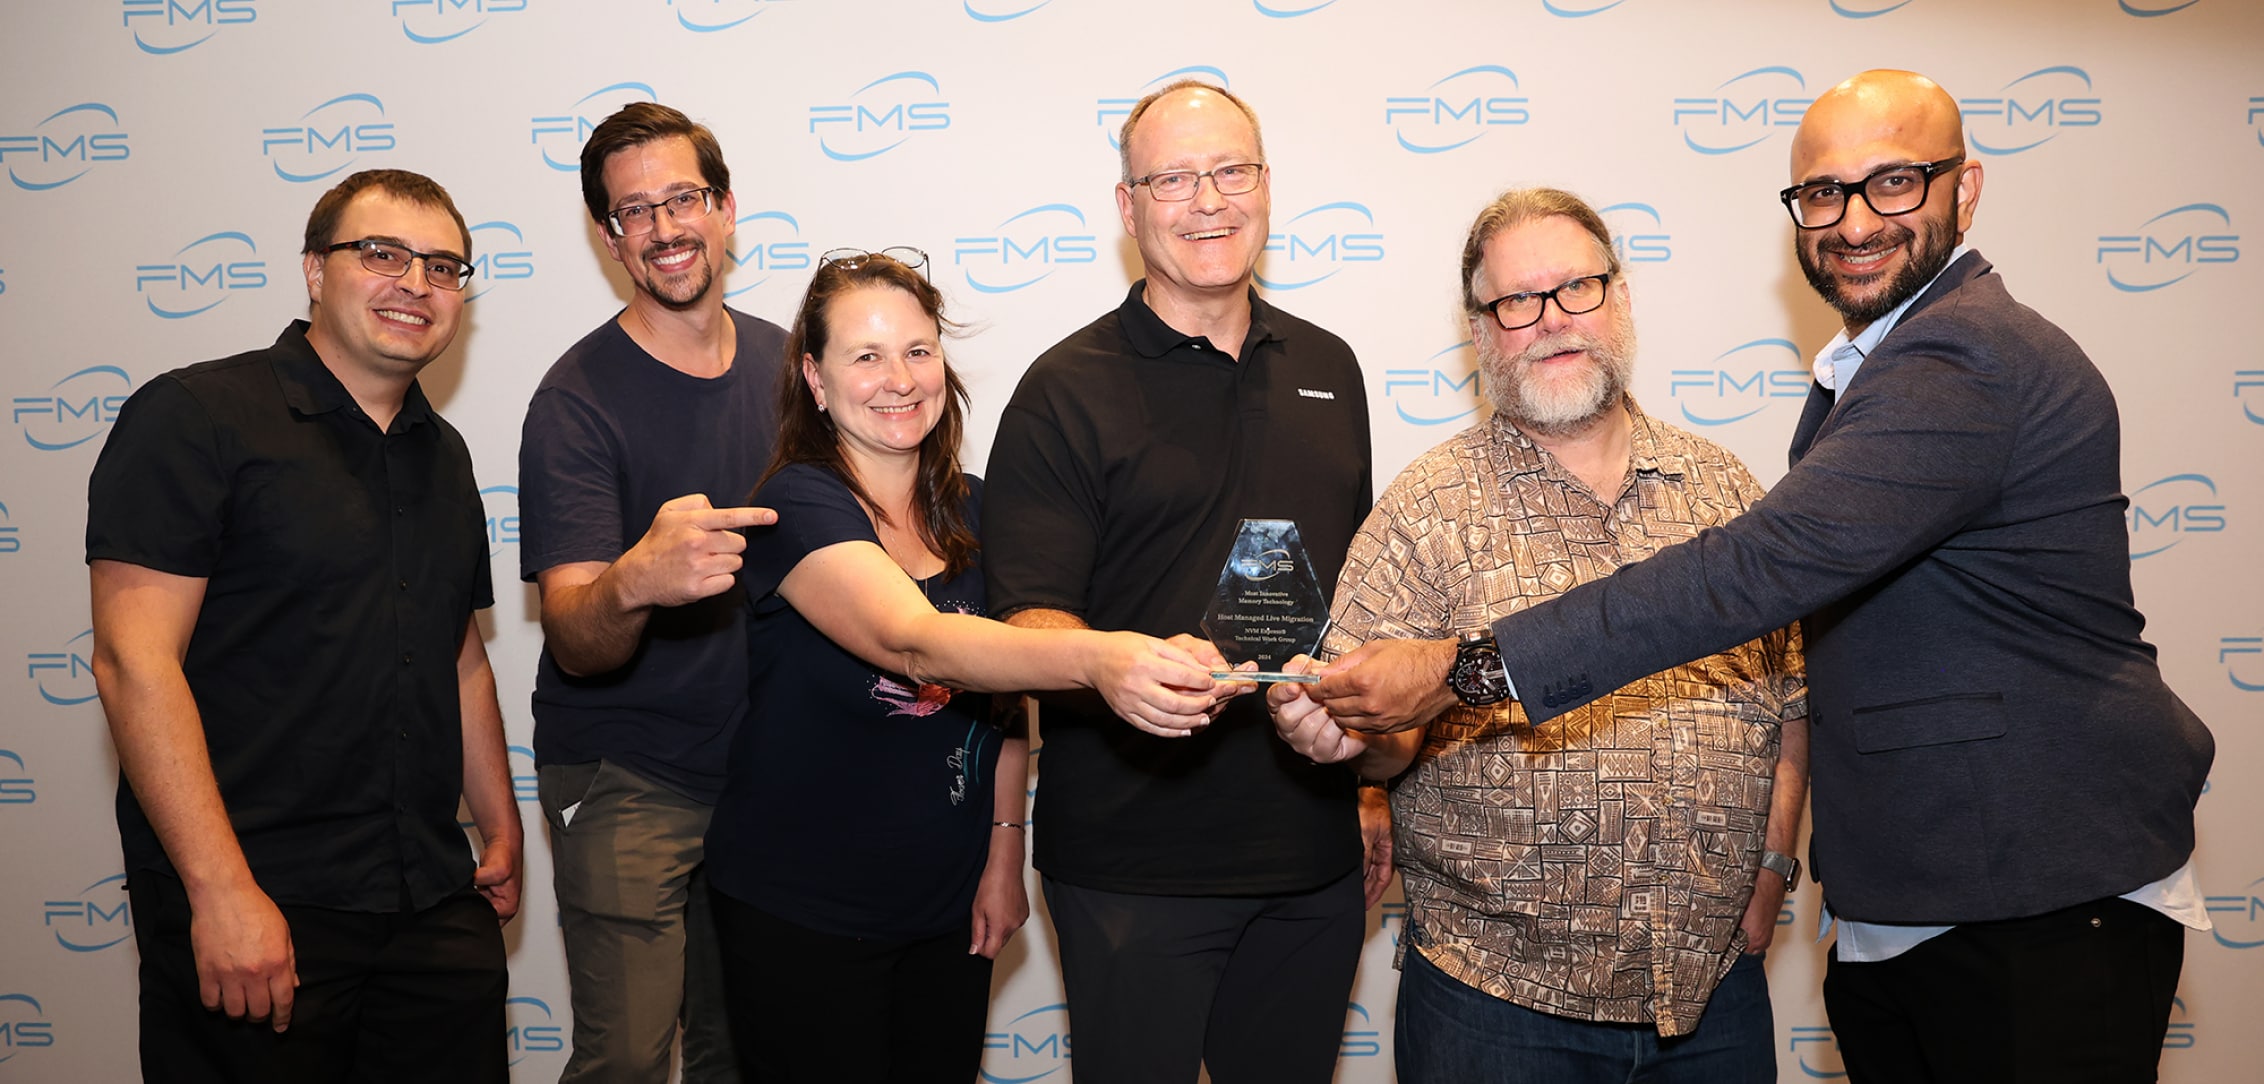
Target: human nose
(416, 268)
(1857, 220)
(897, 376)
(1553, 317)
(1207, 196)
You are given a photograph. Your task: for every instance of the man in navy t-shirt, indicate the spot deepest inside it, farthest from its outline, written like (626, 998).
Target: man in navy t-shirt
(638, 446)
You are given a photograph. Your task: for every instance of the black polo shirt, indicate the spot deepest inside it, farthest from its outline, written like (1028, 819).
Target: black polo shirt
(341, 565)
(1122, 467)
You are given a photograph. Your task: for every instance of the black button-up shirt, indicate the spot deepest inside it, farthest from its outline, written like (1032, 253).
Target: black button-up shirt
(342, 564)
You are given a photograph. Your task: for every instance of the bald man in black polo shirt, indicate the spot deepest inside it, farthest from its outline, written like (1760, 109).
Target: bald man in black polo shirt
(1206, 891)
(286, 549)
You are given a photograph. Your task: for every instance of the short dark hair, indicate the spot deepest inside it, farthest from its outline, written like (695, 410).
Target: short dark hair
(1516, 207)
(1140, 109)
(635, 125)
(806, 434)
(401, 184)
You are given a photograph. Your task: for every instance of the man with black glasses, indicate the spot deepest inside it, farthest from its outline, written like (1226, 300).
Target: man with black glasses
(1586, 900)
(1206, 889)
(286, 548)
(2003, 783)
(638, 447)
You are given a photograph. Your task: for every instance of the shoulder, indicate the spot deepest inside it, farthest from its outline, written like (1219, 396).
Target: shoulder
(1304, 335)
(766, 340)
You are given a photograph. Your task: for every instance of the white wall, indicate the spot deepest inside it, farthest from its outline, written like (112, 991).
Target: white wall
(149, 142)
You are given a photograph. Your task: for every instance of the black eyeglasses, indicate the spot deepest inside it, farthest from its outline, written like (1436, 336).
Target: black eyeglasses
(1894, 190)
(851, 259)
(441, 270)
(1178, 185)
(1583, 294)
(637, 218)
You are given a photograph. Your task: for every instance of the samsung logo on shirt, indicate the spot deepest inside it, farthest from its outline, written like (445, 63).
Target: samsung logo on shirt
(1311, 394)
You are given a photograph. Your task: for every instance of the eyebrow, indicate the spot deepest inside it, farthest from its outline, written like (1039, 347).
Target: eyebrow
(641, 197)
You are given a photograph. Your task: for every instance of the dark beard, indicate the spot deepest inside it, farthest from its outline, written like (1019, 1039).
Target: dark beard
(1920, 269)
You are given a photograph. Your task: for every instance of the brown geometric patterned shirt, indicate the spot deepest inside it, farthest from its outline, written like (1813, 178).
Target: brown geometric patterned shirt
(1594, 867)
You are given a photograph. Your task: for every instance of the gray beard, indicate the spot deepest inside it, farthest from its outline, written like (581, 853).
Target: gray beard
(1563, 407)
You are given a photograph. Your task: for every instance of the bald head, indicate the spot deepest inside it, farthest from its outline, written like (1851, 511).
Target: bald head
(1882, 111)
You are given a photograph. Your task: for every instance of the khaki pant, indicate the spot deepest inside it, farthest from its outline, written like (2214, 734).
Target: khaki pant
(640, 940)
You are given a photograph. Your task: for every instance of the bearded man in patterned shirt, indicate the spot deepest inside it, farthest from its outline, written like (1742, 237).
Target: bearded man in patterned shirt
(1587, 897)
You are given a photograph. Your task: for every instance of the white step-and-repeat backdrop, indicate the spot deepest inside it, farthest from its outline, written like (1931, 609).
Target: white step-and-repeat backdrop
(161, 156)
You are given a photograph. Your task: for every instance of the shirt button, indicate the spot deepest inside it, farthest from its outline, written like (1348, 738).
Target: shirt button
(404, 735)
(408, 657)
(404, 585)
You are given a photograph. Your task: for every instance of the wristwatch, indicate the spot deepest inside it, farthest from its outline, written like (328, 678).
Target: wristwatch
(1477, 676)
(1783, 865)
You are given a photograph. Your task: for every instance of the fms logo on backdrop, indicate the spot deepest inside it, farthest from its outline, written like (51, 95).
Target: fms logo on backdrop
(2245, 382)
(94, 919)
(880, 116)
(531, 1029)
(1109, 113)
(328, 138)
(1440, 390)
(77, 409)
(64, 678)
(430, 22)
(500, 255)
(1639, 235)
(62, 147)
(1743, 112)
(1458, 110)
(11, 540)
(1816, 1051)
(1290, 9)
(2239, 918)
(23, 1026)
(2167, 511)
(2148, 9)
(1866, 9)
(2030, 111)
(201, 275)
(1000, 11)
(1362, 1037)
(1318, 243)
(766, 242)
(1034, 1046)
(560, 137)
(2243, 658)
(2169, 248)
(2256, 118)
(1740, 382)
(162, 27)
(16, 784)
(526, 779)
(1026, 248)
(709, 16)
(501, 506)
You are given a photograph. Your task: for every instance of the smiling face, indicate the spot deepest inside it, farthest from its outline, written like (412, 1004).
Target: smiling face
(1206, 247)
(677, 264)
(881, 378)
(1867, 263)
(1563, 373)
(365, 325)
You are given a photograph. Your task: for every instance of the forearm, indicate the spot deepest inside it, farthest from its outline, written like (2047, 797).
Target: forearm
(981, 655)
(1010, 799)
(487, 775)
(1788, 800)
(159, 736)
(592, 627)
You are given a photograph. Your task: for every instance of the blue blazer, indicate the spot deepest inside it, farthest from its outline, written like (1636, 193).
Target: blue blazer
(1990, 736)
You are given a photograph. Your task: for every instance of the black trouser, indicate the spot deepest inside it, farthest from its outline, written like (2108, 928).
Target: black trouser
(2079, 994)
(1254, 988)
(816, 1008)
(381, 998)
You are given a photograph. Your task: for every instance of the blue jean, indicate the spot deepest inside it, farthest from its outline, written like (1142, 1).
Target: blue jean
(1451, 1033)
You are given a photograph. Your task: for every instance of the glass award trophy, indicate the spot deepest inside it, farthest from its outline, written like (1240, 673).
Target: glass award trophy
(1268, 608)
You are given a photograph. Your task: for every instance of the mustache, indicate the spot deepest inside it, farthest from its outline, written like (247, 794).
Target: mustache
(655, 249)
(1886, 238)
(1550, 346)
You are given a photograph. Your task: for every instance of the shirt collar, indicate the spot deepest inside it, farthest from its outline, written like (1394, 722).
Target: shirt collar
(1152, 338)
(1837, 361)
(1647, 453)
(310, 388)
